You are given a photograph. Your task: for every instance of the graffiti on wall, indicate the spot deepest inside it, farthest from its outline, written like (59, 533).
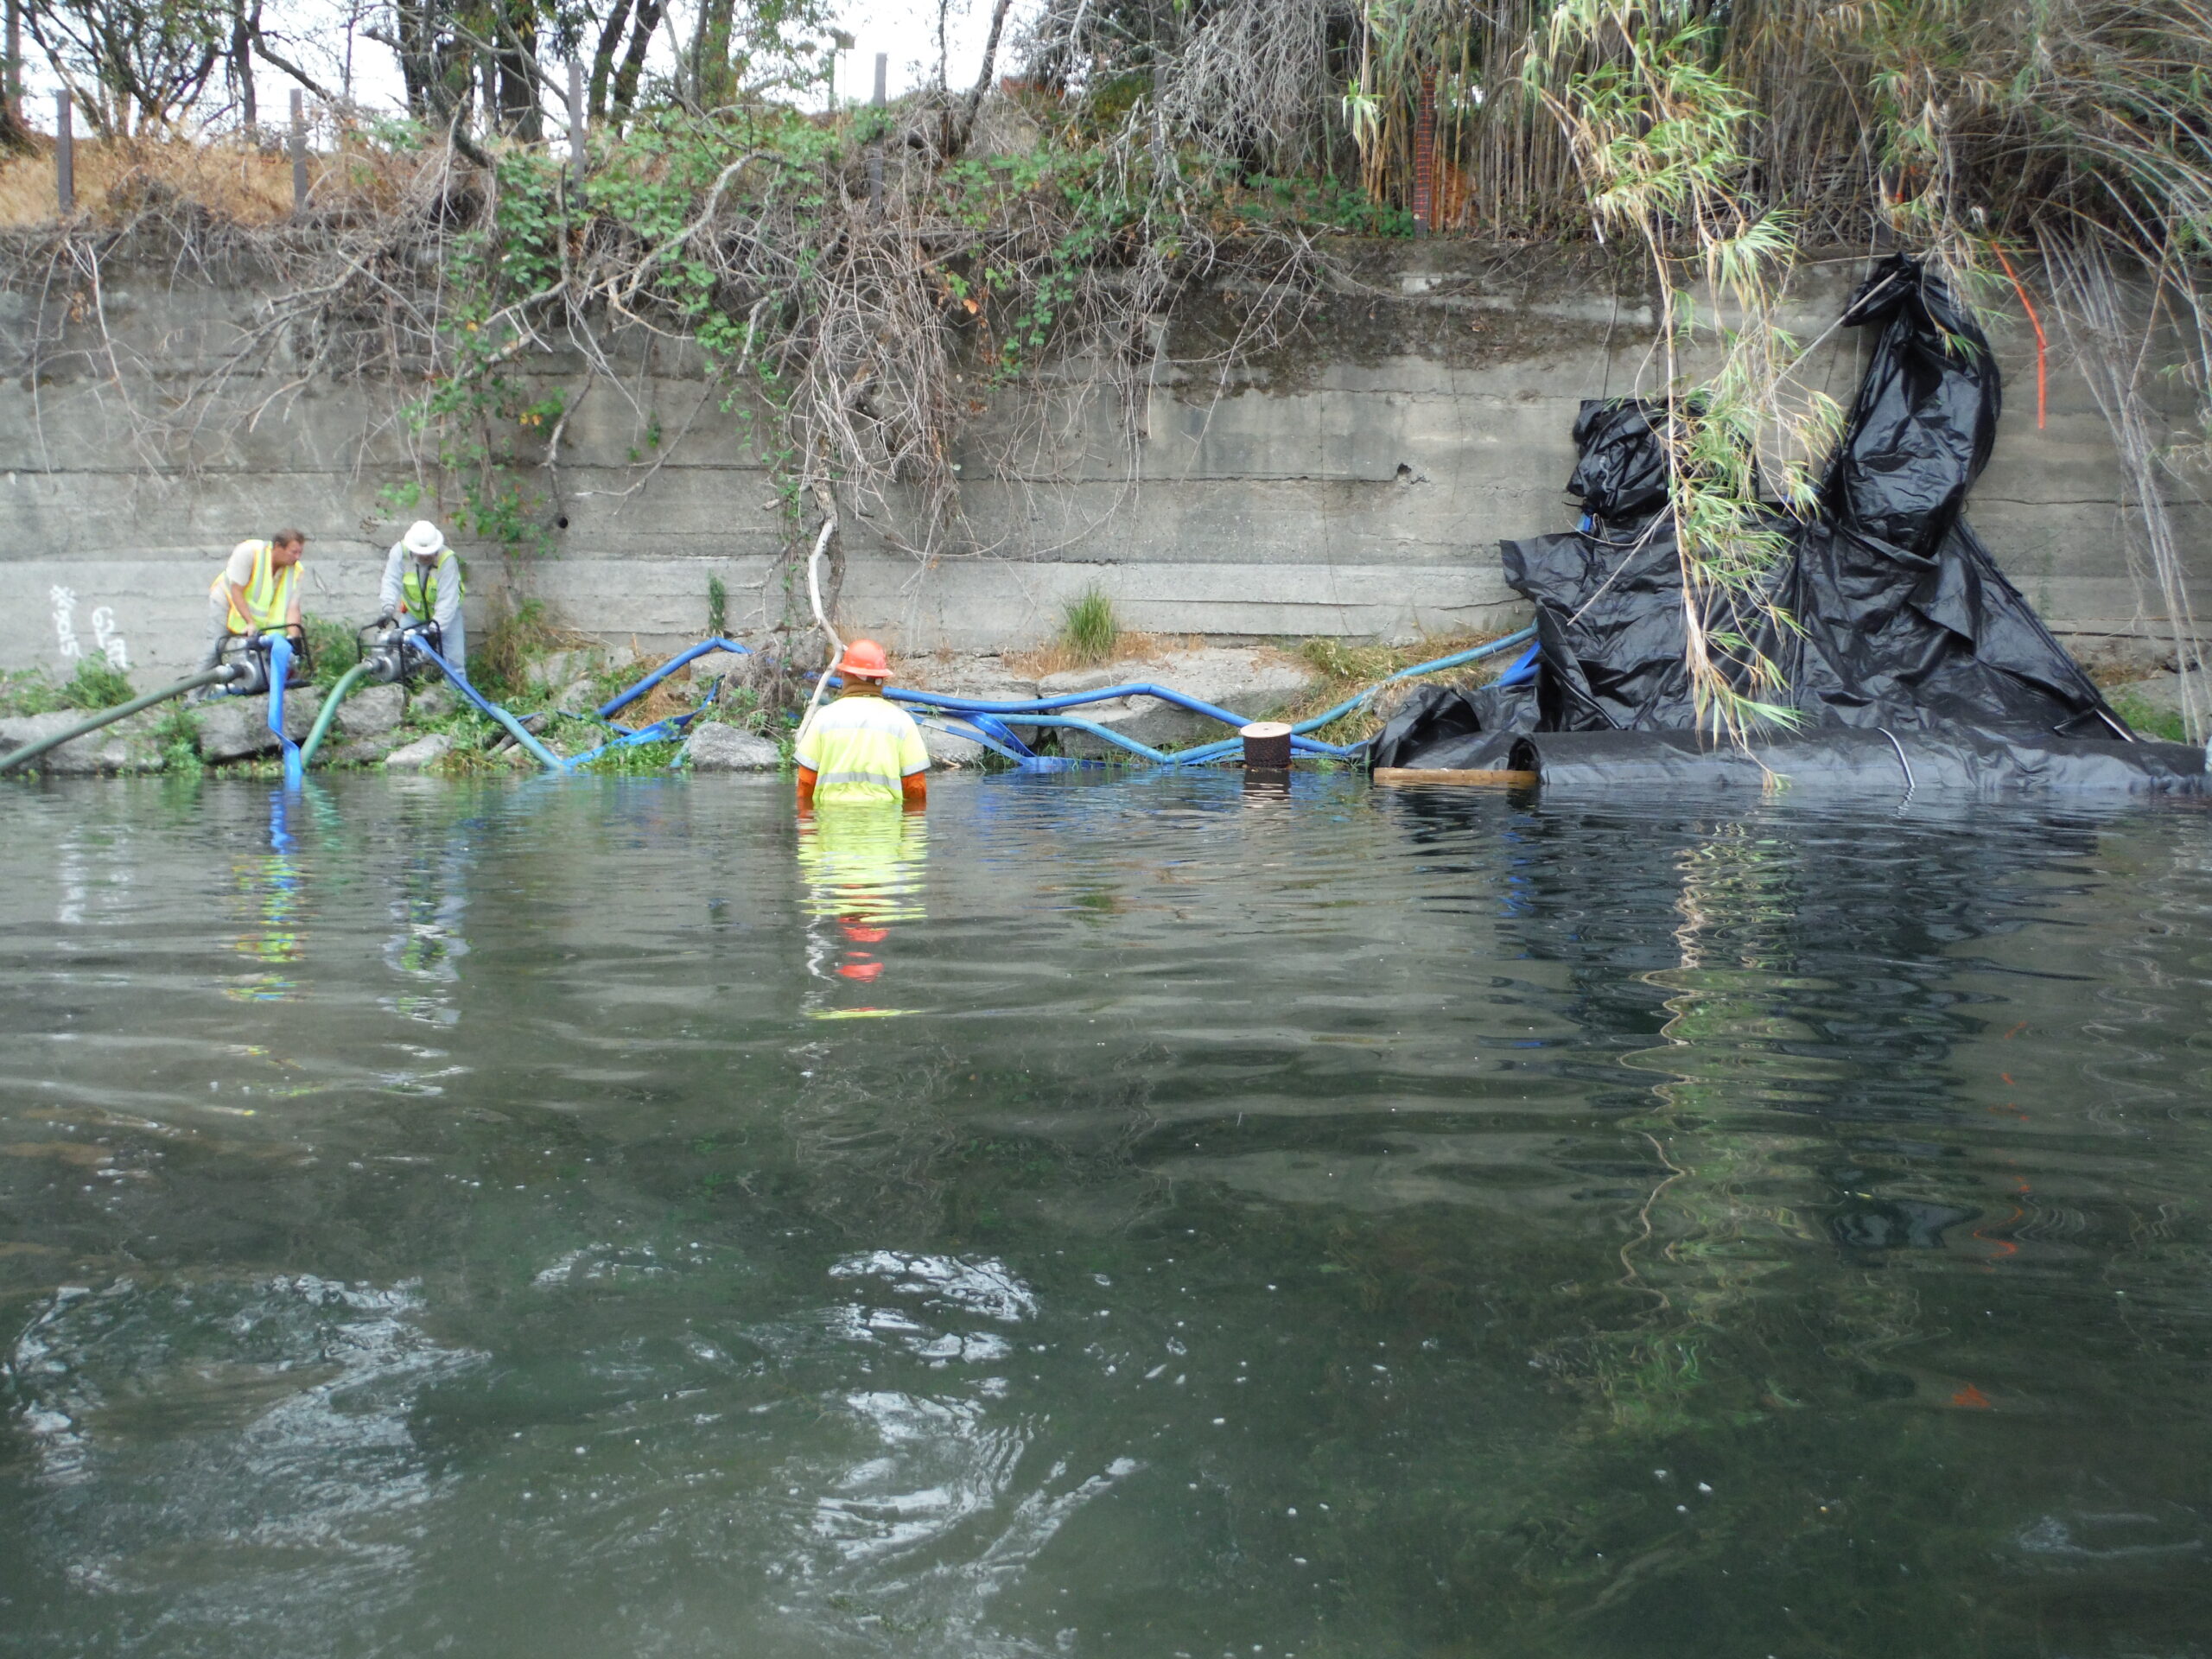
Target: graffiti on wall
(107, 639)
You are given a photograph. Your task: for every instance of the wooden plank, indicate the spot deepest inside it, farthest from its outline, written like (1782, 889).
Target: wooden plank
(1442, 775)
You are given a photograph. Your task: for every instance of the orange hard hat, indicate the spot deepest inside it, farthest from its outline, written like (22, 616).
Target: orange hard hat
(864, 658)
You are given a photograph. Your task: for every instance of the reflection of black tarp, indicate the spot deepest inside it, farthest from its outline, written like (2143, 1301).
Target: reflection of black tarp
(1903, 622)
(1836, 757)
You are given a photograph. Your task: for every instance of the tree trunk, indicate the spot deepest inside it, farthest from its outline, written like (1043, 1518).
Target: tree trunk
(964, 122)
(602, 58)
(422, 66)
(242, 32)
(633, 61)
(520, 112)
(15, 137)
(710, 55)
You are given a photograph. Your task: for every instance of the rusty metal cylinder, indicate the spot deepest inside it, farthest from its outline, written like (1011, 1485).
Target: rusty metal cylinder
(1267, 745)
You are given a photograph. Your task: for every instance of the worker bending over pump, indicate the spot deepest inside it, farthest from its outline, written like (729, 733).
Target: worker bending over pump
(861, 746)
(422, 583)
(258, 593)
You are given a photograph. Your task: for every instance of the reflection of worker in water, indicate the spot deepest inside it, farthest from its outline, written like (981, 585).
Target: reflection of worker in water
(862, 748)
(429, 903)
(270, 900)
(258, 593)
(862, 863)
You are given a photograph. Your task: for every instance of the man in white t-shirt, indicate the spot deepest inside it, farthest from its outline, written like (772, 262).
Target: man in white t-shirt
(258, 593)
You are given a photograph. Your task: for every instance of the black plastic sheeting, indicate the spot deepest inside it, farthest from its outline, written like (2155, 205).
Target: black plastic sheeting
(1876, 765)
(1904, 624)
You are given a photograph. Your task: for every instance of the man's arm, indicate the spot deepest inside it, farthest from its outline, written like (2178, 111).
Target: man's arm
(388, 591)
(914, 765)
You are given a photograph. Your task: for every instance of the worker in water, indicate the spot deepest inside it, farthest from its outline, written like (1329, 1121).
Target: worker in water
(422, 583)
(258, 593)
(862, 748)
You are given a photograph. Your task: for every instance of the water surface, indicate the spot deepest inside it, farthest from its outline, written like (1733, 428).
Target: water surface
(1107, 1217)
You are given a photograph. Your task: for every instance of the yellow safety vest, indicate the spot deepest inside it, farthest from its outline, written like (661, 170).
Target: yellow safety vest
(421, 596)
(268, 596)
(860, 749)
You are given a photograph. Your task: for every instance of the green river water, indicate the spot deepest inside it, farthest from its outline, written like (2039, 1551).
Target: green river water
(1129, 1217)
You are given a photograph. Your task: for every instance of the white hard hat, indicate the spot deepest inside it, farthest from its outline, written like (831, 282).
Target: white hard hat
(422, 538)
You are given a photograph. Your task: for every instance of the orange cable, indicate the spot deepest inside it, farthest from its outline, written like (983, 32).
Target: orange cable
(2034, 320)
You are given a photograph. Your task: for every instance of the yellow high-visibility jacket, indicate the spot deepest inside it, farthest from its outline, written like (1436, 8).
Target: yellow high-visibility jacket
(860, 749)
(268, 596)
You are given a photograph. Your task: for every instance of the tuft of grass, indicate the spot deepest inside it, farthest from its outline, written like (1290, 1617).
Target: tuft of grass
(177, 733)
(717, 609)
(2164, 724)
(499, 667)
(97, 685)
(29, 691)
(1055, 657)
(1354, 666)
(1089, 628)
(333, 646)
(640, 759)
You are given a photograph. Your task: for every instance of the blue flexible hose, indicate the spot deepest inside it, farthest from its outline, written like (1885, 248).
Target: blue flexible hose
(1070, 700)
(491, 710)
(976, 735)
(607, 709)
(280, 669)
(1036, 711)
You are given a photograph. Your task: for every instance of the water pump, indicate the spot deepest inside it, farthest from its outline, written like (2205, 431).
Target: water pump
(386, 649)
(246, 660)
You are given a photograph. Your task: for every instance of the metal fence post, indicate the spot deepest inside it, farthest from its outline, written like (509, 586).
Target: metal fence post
(299, 150)
(65, 156)
(576, 120)
(875, 150)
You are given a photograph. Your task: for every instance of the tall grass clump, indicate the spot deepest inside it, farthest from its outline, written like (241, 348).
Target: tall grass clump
(499, 667)
(334, 647)
(97, 685)
(1089, 628)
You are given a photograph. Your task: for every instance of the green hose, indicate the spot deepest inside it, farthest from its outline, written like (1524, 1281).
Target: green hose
(220, 676)
(338, 695)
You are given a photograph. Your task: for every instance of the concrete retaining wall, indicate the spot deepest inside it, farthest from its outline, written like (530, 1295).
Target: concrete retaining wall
(1354, 482)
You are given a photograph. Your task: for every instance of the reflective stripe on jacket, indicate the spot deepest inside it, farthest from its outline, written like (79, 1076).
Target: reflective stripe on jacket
(268, 596)
(860, 748)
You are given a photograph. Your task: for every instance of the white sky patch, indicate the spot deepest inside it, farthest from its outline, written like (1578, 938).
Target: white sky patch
(315, 33)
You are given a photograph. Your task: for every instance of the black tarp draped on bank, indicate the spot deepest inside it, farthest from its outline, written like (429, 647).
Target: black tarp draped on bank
(1905, 628)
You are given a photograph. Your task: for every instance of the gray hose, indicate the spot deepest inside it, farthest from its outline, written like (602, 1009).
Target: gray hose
(218, 675)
